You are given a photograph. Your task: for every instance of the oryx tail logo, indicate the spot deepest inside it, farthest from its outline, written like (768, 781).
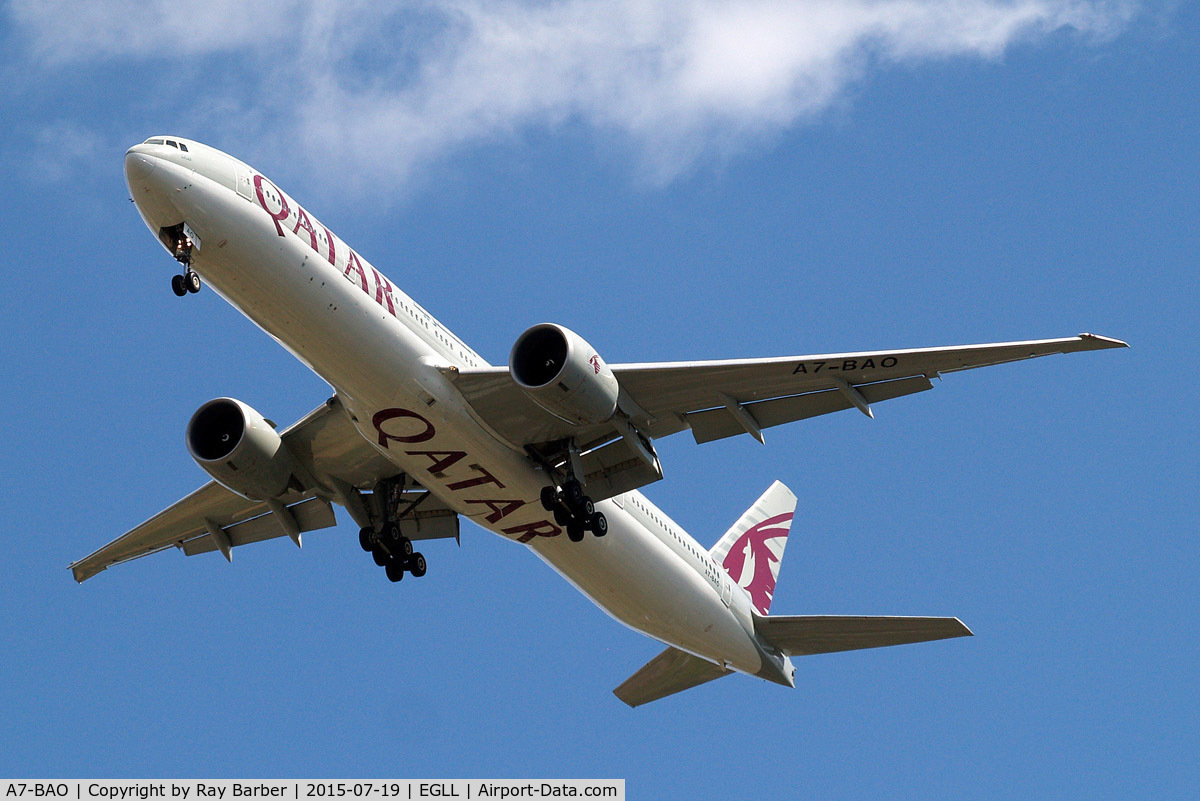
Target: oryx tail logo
(754, 558)
(595, 363)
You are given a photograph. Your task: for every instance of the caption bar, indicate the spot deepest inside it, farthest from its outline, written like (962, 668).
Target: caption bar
(306, 790)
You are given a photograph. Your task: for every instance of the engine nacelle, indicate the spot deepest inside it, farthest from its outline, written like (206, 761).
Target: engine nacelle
(238, 448)
(564, 375)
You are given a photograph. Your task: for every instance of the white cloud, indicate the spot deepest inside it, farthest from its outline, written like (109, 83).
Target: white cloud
(382, 89)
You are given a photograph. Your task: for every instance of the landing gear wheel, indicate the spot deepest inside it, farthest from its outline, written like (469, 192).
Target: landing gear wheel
(395, 570)
(416, 565)
(587, 508)
(573, 493)
(575, 531)
(562, 516)
(598, 523)
(380, 556)
(549, 498)
(404, 547)
(191, 281)
(366, 538)
(390, 536)
(177, 285)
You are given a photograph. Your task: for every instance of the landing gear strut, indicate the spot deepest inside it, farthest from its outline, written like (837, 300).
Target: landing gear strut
(389, 548)
(181, 247)
(574, 510)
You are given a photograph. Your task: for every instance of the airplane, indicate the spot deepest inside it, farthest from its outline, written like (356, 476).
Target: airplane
(549, 450)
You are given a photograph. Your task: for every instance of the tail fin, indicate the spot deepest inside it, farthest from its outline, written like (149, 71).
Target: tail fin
(752, 551)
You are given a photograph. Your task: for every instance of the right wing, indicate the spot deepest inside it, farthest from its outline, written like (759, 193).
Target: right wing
(717, 399)
(826, 634)
(215, 519)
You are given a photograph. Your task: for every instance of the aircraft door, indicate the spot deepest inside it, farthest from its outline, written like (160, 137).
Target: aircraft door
(726, 589)
(245, 182)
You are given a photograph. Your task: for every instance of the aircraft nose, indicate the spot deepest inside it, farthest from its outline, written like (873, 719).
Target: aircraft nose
(138, 164)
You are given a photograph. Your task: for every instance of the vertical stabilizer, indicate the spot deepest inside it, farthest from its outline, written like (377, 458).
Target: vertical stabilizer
(752, 551)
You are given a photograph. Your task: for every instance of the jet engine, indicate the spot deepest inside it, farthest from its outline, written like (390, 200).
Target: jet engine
(238, 448)
(564, 375)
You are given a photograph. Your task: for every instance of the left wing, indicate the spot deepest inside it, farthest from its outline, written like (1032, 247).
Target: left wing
(717, 399)
(214, 518)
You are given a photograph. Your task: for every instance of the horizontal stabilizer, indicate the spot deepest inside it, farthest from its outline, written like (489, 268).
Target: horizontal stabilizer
(825, 634)
(670, 672)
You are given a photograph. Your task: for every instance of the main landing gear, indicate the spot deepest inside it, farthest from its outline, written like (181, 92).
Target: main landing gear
(573, 510)
(392, 551)
(388, 546)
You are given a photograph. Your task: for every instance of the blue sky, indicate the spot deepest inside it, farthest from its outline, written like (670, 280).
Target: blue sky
(673, 181)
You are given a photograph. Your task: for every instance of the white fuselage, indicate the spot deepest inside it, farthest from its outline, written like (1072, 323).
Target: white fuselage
(386, 357)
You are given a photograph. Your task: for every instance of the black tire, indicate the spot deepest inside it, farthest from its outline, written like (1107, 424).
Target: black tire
(191, 281)
(587, 508)
(416, 565)
(366, 538)
(575, 532)
(391, 535)
(598, 524)
(549, 498)
(394, 570)
(177, 285)
(562, 516)
(404, 548)
(380, 556)
(573, 494)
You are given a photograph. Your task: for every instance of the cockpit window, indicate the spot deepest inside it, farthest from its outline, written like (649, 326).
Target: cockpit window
(183, 147)
(154, 141)
(172, 144)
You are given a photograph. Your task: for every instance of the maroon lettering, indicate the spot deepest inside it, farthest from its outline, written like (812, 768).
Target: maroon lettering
(500, 509)
(391, 414)
(262, 201)
(302, 221)
(332, 249)
(543, 528)
(352, 263)
(441, 459)
(383, 291)
(484, 478)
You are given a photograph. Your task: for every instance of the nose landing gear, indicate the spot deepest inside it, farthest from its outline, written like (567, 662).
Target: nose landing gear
(188, 282)
(179, 241)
